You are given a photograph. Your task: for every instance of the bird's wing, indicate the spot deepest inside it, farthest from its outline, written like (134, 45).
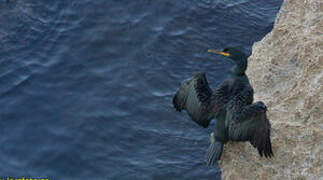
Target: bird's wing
(194, 96)
(249, 123)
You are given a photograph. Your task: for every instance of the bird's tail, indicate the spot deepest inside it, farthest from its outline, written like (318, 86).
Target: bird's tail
(214, 152)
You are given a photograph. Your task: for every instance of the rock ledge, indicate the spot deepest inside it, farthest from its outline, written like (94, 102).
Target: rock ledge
(286, 71)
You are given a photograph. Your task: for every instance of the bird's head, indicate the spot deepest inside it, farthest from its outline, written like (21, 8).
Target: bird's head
(237, 56)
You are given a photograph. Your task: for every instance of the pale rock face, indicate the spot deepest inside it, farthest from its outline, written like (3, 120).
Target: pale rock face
(286, 71)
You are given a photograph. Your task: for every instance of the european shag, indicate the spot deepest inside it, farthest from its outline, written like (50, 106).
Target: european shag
(237, 117)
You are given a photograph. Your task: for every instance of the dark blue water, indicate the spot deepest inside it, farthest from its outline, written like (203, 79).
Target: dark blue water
(86, 86)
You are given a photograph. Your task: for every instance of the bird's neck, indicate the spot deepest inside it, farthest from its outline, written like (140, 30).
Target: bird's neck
(240, 68)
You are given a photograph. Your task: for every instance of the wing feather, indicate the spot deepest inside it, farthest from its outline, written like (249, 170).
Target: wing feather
(248, 122)
(194, 96)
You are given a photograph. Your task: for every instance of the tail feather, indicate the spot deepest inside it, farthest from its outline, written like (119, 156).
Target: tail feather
(214, 152)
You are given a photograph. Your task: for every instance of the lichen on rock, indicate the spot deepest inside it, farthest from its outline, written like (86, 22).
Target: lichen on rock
(286, 71)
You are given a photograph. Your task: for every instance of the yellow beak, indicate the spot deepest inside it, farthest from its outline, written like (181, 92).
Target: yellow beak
(218, 52)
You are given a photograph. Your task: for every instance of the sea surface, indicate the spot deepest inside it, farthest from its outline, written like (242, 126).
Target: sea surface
(86, 86)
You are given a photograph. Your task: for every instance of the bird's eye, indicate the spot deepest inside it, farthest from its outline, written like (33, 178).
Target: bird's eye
(225, 50)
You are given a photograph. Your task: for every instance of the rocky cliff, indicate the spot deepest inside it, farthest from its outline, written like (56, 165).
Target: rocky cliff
(286, 71)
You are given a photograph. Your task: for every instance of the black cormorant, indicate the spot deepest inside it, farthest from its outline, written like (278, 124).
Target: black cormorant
(237, 117)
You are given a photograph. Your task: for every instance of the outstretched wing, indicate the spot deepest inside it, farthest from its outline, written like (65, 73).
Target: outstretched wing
(194, 96)
(248, 122)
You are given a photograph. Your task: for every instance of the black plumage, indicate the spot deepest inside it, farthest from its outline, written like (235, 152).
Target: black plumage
(237, 117)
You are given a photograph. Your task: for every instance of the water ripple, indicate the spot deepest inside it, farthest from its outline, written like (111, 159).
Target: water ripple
(86, 86)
